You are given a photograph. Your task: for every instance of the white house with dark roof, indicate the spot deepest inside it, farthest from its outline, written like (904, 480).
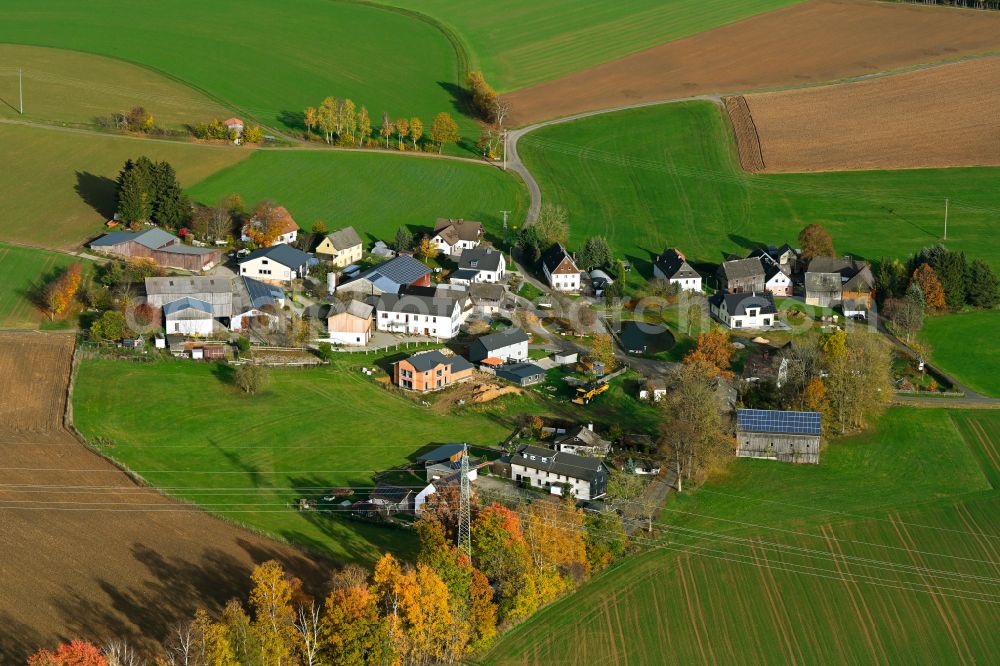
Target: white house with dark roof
(189, 316)
(508, 345)
(453, 237)
(586, 477)
(560, 269)
(582, 440)
(754, 310)
(480, 264)
(278, 264)
(674, 268)
(422, 311)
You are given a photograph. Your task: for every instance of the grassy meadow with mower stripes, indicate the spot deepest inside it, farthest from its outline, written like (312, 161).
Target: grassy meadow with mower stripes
(964, 344)
(668, 176)
(893, 541)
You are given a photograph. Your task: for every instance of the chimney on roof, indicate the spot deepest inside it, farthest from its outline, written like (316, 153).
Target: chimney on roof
(590, 427)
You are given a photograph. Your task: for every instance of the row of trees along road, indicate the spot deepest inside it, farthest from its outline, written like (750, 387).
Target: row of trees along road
(343, 124)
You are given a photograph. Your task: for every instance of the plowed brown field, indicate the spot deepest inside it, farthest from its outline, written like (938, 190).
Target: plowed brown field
(83, 551)
(812, 42)
(939, 117)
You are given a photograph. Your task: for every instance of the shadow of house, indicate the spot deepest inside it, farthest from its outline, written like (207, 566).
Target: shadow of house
(98, 192)
(746, 243)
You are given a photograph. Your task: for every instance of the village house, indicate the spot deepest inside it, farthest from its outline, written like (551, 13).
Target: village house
(189, 316)
(278, 264)
(489, 299)
(341, 248)
(582, 440)
(741, 276)
(560, 270)
(674, 268)
(255, 302)
(778, 435)
(430, 371)
(832, 280)
(350, 323)
(234, 302)
(453, 237)
(217, 291)
(522, 374)
(508, 345)
(426, 311)
(156, 244)
(754, 310)
(392, 499)
(389, 277)
(776, 280)
(234, 125)
(585, 477)
(786, 257)
(480, 264)
(287, 230)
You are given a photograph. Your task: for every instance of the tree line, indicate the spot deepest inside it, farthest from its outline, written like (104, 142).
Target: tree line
(342, 123)
(437, 610)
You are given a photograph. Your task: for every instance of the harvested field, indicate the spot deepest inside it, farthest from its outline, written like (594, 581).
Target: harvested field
(85, 552)
(812, 42)
(747, 139)
(939, 117)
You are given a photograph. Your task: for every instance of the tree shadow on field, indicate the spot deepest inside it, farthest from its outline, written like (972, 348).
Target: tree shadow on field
(98, 192)
(745, 243)
(461, 98)
(294, 120)
(18, 640)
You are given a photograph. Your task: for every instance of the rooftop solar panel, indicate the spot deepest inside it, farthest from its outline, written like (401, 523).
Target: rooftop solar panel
(774, 421)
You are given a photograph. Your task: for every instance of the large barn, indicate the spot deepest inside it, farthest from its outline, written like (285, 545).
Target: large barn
(165, 249)
(777, 435)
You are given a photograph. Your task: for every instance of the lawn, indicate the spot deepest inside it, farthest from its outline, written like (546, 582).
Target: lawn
(964, 345)
(62, 189)
(882, 554)
(186, 429)
(23, 269)
(70, 87)
(377, 193)
(667, 175)
(521, 42)
(270, 60)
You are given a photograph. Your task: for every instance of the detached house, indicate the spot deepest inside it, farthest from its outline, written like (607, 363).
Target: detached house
(507, 345)
(165, 249)
(480, 264)
(740, 276)
(422, 311)
(430, 371)
(560, 269)
(287, 229)
(754, 310)
(785, 256)
(278, 264)
(350, 323)
(776, 280)
(674, 268)
(582, 440)
(453, 237)
(585, 477)
(830, 281)
(341, 248)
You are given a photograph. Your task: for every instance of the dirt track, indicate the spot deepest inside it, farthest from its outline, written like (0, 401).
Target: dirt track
(939, 117)
(813, 42)
(105, 557)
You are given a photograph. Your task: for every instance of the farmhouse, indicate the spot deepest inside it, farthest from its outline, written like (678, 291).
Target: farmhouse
(217, 291)
(741, 276)
(286, 230)
(430, 371)
(489, 299)
(585, 477)
(278, 264)
(392, 499)
(832, 280)
(453, 237)
(778, 435)
(776, 280)
(255, 301)
(165, 249)
(507, 345)
(674, 268)
(754, 310)
(582, 440)
(560, 269)
(189, 316)
(522, 374)
(480, 264)
(422, 311)
(350, 323)
(389, 277)
(341, 248)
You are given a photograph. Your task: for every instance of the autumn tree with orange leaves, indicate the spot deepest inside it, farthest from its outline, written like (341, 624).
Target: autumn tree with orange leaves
(60, 293)
(500, 552)
(74, 653)
(927, 279)
(714, 348)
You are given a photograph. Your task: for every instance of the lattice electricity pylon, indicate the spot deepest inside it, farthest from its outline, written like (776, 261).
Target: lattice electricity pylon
(465, 507)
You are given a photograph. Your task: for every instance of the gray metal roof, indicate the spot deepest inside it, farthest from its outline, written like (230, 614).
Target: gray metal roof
(425, 361)
(742, 268)
(558, 462)
(344, 238)
(284, 254)
(737, 304)
(261, 294)
(519, 371)
(443, 452)
(438, 306)
(501, 339)
(170, 310)
(153, 239)
(467, 274)
(778, 422)
(185, 285)
(354, 308)
(393, 274)
(481, 259)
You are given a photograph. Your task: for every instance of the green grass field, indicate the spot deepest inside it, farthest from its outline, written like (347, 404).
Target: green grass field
(23, 268)
(667, 175)
(521, 42)
(886, 553)
(269, 60)
(377, 193)
(76, 88)
(964, 345)
(187, 430)
(62, 187)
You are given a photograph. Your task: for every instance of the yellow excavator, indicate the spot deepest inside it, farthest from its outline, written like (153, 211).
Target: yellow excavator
(584, 394)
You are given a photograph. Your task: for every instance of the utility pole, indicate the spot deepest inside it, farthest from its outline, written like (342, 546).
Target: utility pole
(465, 507)
(946, 218)
(20, 92)
(505, 150)
(506, 237)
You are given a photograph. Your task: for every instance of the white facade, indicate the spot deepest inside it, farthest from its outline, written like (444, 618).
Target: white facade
(349, 338)
(686, 284)
(200, 326)
(452, 250)
(515, 352)
(779, 284)
(540, 479)
(563, 281)
(268, 270)
(429, 325)
(237, 321)
(753, 316)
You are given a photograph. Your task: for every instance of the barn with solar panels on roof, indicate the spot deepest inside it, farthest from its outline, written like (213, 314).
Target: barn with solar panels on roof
(777, 435)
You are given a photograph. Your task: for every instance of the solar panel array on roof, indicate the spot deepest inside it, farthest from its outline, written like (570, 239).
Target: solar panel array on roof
(775, 421)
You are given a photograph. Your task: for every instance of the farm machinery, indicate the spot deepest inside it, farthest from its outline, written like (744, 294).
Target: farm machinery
(586, 393)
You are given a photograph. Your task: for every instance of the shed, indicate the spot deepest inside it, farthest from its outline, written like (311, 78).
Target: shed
(189, 316)
(778, 435)
(522, 374)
